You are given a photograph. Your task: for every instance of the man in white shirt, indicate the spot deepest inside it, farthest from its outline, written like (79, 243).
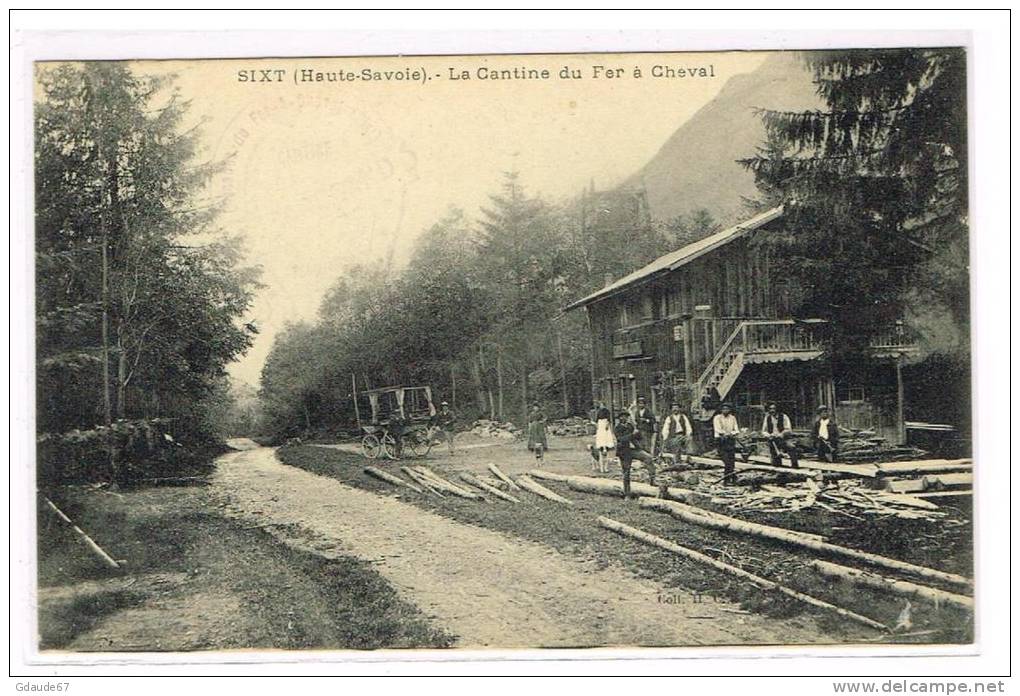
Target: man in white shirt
(676, 433)
(778, 432)
(825, 433)
(725, 429)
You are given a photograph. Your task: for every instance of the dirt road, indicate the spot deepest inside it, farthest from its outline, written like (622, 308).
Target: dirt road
(488, 589)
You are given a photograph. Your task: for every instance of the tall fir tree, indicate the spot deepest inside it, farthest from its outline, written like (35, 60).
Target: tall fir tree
(875, 187)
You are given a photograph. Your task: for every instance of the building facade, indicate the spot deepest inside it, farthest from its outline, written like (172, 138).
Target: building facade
(718, 316)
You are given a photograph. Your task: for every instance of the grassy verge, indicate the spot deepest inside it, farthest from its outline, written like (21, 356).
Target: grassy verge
(574, 530)
(195, 580)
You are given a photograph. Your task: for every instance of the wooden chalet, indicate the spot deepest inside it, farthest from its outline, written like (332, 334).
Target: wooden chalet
(714, 314)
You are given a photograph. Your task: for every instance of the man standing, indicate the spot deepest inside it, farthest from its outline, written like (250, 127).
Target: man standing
(646, 421)
(676, 433)
(725, 429)
(825, 433)
(628, 448)
(778, 432)
(443, 424)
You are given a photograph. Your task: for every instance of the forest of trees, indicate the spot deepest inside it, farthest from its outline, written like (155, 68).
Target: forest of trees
(875, 195)
(139, 298)
(476, 313)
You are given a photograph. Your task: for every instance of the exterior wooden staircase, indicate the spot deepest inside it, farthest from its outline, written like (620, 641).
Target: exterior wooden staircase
(777, 340)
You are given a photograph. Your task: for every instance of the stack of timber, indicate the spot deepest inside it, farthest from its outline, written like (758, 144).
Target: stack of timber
(925, 478)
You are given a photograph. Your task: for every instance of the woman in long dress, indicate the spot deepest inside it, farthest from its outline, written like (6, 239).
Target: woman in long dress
(537, 441)
(605, 441)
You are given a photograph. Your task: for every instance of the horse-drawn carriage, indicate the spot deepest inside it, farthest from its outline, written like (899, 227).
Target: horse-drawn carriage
(399, 422)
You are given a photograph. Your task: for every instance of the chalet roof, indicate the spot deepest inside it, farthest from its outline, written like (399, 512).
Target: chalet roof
(680, 257)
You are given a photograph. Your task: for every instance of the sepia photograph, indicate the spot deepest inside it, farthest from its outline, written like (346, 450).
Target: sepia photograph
(505, 352)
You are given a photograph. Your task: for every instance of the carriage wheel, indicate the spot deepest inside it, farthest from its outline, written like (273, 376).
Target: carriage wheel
(419, 443)
(370, 446)
(389, 446)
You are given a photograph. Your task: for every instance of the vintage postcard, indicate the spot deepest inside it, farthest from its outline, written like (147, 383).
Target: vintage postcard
(434, 352)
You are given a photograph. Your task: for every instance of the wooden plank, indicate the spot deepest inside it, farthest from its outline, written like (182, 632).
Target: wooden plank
(862, 470)
(753, 466)
(903, 485)
(943, 494)
(940, 482)
(923, 466)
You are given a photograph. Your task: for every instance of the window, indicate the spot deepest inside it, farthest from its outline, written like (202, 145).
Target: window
(849, 394)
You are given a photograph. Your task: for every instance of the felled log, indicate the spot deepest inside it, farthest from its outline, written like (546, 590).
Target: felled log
(93, 546)
(861, 578)
(503, 477)
(764, 583)
(924, 466)
(941, 482)
(491, 490)
(695, 516)
(390, 478)
(447, 486)
(529, 484)
(599, 486)
(420, 480)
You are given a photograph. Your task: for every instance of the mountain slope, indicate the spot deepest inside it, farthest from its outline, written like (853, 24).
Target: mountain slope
(696, 168)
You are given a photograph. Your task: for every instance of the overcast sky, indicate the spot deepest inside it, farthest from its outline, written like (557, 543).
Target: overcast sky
(324, 174)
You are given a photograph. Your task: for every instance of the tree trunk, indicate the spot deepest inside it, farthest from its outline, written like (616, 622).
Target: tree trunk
(524, 392)
(491, 490)
(717, 521)
(859, 578)
(498, 473)
(485, 378)
(529, 484)
(499, 378)
(563, 374)
(390, 478)
(764, 583)
(122, 364)
(476, 374)
(453, 386)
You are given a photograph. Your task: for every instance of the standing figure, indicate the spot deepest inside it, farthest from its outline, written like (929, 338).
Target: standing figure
(628, 448)
(605, 441)
(443, 424)
(676, 433)
(825, 433)
(646, 422)
(710, 401)
(537, 441)
(778, 432)
(725, 429)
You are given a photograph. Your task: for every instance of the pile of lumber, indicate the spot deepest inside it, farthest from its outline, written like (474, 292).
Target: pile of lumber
(483, 427)
(845, 497)
(572, 427)
(927, 478)
(864, 446)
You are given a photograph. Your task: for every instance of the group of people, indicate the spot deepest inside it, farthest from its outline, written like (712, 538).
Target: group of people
(634, 437)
